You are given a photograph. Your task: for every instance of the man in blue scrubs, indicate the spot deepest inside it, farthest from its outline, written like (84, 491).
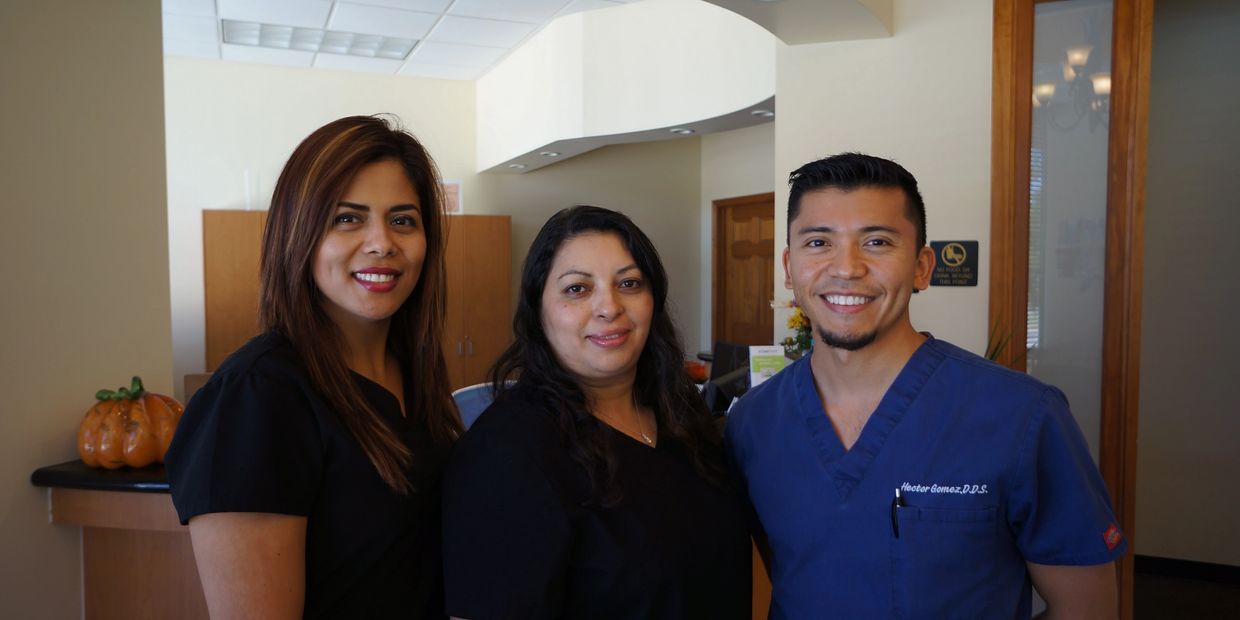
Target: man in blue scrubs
(895, 475)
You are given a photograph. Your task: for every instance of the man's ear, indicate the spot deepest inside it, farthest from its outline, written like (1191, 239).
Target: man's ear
(925, 267)
(787, 272)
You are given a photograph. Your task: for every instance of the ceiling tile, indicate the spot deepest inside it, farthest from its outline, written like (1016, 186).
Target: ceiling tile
(443, 72)
(426, 6)
(190, 28)
(379, 20)
(456, 54)
(266, 55)
(531, 11)
(202, 8)
(303, 13)
(357, 63)
(192, 49)
(481, 31)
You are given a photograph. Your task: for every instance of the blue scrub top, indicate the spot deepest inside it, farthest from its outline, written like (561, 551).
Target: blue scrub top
(992, 470)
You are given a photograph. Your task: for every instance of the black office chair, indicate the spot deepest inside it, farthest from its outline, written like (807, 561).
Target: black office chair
(729, 376)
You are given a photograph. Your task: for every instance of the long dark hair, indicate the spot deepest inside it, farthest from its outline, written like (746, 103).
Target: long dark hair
(661, 384)
(305, 198)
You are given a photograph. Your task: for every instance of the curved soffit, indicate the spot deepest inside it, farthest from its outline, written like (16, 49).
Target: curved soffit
(634, 73)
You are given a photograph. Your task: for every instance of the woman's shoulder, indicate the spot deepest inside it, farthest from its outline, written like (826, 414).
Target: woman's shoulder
(269, 353)
(516, 413)
(263, 371)
(516, 426)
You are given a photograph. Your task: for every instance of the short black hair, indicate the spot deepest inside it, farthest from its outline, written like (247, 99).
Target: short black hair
(849, 171)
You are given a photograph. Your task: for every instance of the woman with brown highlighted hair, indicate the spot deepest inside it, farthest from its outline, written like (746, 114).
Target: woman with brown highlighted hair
(308, 467)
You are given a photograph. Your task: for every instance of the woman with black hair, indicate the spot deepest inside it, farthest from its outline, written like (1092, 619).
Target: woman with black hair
(594, 486)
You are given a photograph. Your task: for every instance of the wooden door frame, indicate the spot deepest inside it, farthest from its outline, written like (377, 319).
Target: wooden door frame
(1126, 161)
(716, 258)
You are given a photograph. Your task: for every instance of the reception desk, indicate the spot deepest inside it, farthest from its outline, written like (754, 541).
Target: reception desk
(136, 556)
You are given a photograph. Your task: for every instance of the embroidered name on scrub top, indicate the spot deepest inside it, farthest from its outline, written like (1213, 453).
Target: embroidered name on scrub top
(962, 489)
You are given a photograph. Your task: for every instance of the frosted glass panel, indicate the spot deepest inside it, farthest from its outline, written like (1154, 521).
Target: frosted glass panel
(1067, 202)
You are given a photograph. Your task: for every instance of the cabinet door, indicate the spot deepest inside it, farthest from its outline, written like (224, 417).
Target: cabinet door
(231, 245)
(454, 319)
(487, 293)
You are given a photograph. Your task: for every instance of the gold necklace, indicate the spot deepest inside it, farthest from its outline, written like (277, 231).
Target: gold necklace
(640, 429)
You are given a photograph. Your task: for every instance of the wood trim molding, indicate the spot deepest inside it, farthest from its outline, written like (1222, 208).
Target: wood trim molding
(1011, 125)
(1011, 118)
(1132, 38)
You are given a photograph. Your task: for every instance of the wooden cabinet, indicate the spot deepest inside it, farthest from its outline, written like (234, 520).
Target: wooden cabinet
(231, 243)
(137, 561)
(478, 326)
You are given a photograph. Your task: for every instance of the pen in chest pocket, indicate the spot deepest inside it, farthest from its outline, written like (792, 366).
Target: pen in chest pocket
(897, 503)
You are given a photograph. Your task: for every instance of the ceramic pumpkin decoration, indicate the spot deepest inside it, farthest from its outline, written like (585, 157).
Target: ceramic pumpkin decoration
(129, 426)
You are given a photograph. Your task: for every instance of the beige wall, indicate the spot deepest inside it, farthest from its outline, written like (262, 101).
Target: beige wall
(735, 163)
(85, 302)
(231, 126)
(922, 98)
(1187, 457)
(654, 183)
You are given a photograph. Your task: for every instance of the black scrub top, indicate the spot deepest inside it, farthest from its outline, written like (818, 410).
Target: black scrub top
(522, 540)
(258, 438)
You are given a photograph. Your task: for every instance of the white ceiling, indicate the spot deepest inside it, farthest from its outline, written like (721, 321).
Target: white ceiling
(456, 39)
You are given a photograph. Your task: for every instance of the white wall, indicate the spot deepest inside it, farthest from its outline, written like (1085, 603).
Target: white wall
(85, 301)
(629, 68)
(734, 163)
(1187, 460)
(655, 183)
(922, 98)
(229, 122)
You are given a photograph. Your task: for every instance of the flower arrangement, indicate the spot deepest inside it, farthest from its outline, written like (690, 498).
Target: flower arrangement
(802, 339)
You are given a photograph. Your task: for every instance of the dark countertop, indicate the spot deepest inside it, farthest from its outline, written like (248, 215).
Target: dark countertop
(76, 475)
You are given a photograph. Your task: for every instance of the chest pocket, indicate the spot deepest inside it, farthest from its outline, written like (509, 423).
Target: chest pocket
(939, 562)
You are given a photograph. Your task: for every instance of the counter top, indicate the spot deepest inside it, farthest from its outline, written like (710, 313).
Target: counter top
(76, 475)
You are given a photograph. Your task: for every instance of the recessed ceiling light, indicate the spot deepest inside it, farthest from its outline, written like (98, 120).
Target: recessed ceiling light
(549, 154)
(516, 166)
(315, 40)
(681, 131)
(763, 113)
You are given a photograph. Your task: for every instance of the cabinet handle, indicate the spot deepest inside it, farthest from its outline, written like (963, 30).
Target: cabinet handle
(469, 346)
(459, 348)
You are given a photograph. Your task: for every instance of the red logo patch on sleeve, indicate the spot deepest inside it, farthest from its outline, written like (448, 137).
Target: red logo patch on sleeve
(1112, 537)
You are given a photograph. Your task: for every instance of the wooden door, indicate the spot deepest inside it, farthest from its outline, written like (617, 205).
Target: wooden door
(454, 318)
(744, 249)
(231, 246)
(487, 304)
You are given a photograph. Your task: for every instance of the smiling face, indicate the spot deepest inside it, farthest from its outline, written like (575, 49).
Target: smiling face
(853, 262)
(596, 310)
(369, 261)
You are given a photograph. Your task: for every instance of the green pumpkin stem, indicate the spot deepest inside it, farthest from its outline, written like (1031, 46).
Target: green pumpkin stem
(135, 390)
